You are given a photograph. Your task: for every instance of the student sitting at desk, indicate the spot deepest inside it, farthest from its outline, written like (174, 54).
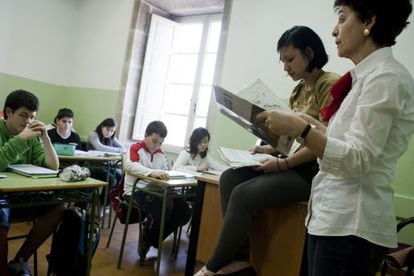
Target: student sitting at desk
(148, 159)
(63, 133)
(196, 157)
(103, 137)
(277, 181)
(23, 139)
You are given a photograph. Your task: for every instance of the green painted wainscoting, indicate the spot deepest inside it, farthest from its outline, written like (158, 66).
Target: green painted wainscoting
(90, 105)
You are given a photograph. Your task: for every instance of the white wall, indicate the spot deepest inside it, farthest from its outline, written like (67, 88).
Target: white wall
(100, 44)
(65, 42)
(250, 53)
(255, 27)
(36, 38)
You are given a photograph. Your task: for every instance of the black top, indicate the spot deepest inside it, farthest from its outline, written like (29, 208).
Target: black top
(56, 138)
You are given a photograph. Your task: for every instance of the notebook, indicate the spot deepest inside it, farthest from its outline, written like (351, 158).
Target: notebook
(178, 174)
(32, 170)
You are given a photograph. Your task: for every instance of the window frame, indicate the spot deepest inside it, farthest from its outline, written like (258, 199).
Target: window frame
(191, 115)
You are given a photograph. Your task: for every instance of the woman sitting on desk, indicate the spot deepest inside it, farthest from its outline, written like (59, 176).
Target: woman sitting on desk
(277, 181)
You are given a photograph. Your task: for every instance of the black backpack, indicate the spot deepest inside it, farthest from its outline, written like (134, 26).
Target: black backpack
(68, 254)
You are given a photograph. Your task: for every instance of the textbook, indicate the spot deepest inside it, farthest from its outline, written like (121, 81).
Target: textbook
(32, 170)
(236, 158)
(244, 112)
(179, 175)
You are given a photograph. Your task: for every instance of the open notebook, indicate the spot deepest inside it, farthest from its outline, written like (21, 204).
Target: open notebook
(179, 175)
(32, 170)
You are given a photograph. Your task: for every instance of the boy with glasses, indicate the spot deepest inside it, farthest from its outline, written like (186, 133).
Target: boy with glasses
(24, 140)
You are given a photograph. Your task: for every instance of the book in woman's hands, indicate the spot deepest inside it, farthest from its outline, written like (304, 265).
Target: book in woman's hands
(244, 112)
(236, 158)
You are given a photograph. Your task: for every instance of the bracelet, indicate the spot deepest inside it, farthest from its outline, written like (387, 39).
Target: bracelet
(277, 164)
(287, 164)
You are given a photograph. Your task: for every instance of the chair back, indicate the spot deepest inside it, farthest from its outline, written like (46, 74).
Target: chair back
(120, 204)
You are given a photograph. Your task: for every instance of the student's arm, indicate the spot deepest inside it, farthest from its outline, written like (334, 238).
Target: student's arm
(51, 159)
(214, 165)
(10, 150)
(77, 141)
(183, 162)
(117, 144)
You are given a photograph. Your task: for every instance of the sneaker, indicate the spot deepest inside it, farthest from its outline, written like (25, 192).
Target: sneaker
(20, 267)
(204, 272)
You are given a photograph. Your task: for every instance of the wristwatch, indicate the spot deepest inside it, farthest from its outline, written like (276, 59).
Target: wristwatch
(301, 139)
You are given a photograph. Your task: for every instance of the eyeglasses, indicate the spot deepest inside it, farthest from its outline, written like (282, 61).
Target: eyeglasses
(25, 116)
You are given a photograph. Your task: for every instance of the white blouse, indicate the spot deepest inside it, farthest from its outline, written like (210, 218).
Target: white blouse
(352, 194)
(185, 162)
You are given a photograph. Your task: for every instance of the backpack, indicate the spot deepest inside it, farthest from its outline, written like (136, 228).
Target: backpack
(117, 198)
(68, 254)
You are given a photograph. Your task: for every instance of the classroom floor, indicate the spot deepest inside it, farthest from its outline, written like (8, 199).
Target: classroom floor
(105, 259)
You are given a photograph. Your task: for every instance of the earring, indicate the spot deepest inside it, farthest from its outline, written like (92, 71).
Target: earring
(366, 32)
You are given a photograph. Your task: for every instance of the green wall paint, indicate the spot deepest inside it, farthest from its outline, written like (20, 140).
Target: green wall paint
(89, 105)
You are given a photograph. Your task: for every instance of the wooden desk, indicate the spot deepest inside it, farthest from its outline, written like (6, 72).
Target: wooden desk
(166, 185)
(277, 237)
(277, 240)
(206, 221)
(18, 183)
(62, 192)
(211, 218)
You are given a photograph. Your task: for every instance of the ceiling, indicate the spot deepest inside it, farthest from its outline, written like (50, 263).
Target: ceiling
(188, 7)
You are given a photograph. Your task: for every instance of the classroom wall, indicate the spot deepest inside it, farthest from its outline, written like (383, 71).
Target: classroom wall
(250, 53)
(71, 53)
(68, 52)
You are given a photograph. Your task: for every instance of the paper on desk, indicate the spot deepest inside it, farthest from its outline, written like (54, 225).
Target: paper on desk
(179, 174)
(242, 158)
(96, 153)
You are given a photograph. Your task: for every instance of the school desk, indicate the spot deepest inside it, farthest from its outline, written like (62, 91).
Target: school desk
(277, 238)
(19, 190)
(166, 186)
(107, 163)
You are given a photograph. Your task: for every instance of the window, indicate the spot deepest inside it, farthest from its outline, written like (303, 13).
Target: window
(177, 76)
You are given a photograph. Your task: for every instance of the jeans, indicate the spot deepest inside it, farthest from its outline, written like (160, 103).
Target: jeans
(343, 256)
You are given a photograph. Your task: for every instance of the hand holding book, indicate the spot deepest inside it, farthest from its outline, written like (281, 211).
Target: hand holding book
(281, 123)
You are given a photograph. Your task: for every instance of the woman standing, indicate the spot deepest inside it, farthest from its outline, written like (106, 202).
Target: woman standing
(351, 220)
